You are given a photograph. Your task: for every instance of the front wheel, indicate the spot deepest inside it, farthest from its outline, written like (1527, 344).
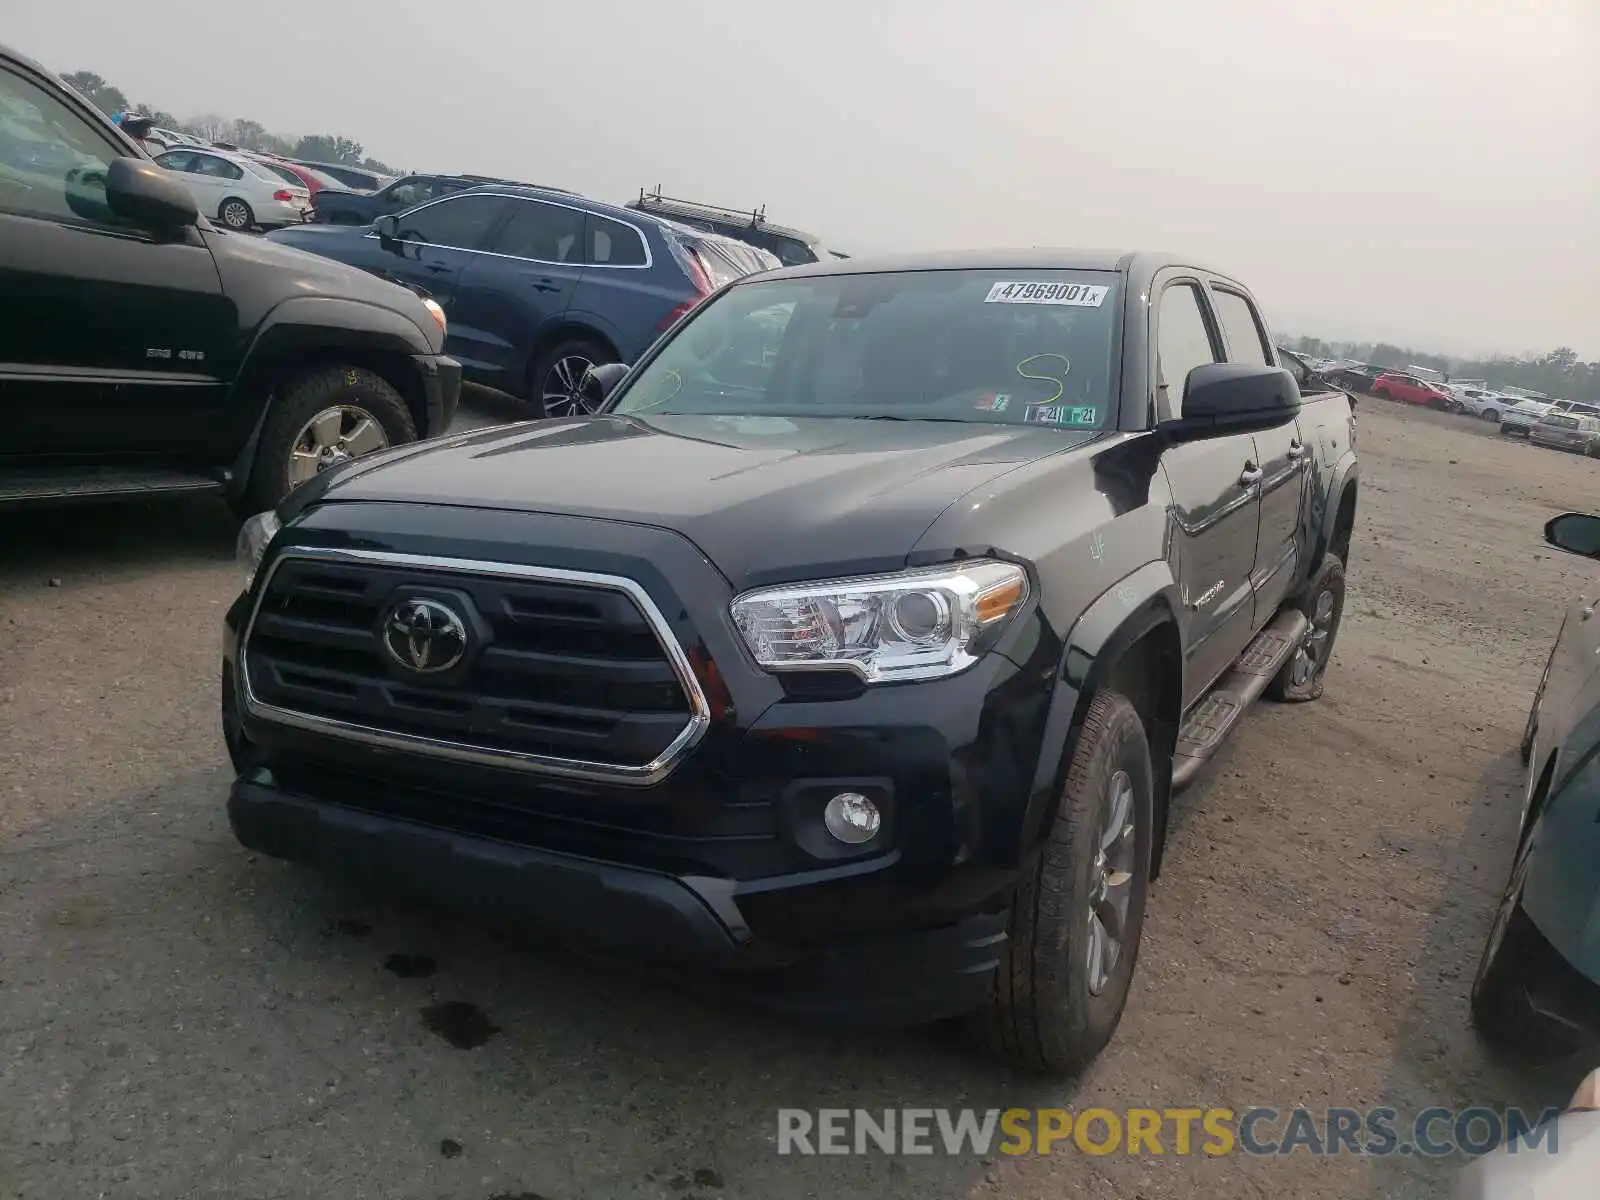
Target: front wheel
(1300, 679)
(321, 419)
(236, 215)
(1077, 915)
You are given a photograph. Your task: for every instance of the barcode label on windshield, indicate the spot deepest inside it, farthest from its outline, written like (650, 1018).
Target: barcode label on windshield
(1083, 295)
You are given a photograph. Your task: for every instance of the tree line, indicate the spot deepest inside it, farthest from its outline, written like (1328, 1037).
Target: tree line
(250, 135)
(1559, 373)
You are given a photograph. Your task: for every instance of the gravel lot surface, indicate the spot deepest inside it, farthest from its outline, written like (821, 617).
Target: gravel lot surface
(179, 1018)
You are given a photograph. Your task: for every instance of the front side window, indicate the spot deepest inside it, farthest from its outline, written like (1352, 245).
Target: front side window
(544, 232)
(177, 160)
(461, 222)
(1241, 329)
(52, 160)
(1183, 342)
(977, 346)
(216, 168)
(407, 192)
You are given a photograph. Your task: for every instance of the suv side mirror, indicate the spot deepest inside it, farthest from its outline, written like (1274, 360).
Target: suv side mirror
(388, 228)
(148, 196)
(600, 381)
(1576, 533)
(1220, 398)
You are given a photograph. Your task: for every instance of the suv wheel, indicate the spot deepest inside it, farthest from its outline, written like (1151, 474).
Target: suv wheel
(1075, 922)
(321, 419)
(236, 214)
(555, 380)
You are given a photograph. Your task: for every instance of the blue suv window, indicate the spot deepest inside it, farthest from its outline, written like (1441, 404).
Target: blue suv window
(546, 232)
(613, 244)
(461, 222)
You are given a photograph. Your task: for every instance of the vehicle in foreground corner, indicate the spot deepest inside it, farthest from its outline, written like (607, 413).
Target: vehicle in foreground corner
(145, 351)
(237, 190)
(540, 285)
(1537, 990)
(857, 644)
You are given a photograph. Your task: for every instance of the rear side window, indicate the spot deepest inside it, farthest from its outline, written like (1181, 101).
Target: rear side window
(1241, 329)
(613, 244)
(1183, 342)
(461, 222)
(544, 232)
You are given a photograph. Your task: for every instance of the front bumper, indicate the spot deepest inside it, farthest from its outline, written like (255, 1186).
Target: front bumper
(441, 390)
(719, 863)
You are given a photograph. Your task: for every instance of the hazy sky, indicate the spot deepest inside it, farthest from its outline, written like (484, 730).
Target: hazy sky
(1421, 170)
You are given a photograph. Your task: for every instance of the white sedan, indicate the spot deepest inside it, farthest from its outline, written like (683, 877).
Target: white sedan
(1480, 402)
(237, 191)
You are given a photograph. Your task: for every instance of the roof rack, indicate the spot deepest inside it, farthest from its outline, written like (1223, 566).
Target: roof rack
(756, 216)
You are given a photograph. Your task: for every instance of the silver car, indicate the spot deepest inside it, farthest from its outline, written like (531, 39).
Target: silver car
(1523, 416)
(1567, 431)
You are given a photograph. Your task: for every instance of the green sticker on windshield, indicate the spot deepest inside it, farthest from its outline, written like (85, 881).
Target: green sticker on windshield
(1074, 416)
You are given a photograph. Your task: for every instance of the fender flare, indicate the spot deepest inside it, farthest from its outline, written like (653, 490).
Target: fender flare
(1122, 614)
(319, 323)
(1346, 472)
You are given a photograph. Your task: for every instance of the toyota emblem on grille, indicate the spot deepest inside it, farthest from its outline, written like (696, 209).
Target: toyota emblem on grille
(424, 636)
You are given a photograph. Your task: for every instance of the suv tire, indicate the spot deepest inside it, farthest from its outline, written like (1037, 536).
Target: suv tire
(1045, 1014)
(321, 413)
(554, 376)
(1322, 602)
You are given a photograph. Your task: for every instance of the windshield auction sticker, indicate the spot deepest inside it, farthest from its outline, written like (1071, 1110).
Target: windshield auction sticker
(1081, 295)
(1077, 416)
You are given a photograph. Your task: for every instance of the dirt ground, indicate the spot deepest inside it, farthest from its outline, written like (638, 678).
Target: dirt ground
(179, 1018)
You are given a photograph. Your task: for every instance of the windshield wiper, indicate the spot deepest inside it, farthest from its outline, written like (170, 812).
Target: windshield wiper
(893, 417)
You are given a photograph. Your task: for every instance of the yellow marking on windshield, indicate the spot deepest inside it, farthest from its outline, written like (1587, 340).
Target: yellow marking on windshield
(1060, 381)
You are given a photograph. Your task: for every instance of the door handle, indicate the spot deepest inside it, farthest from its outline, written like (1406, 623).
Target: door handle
(1297, 450)
(1250, 476)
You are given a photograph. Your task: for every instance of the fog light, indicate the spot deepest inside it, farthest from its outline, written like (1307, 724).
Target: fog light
(852, 818)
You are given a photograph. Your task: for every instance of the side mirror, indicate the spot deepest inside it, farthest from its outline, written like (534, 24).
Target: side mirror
(388, 228)
(148, 196)
(1220, 398)
(600, 381)
(1576, 533)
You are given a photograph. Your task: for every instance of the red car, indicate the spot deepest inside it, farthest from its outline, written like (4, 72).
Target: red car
(313, 181)
(1408, 389)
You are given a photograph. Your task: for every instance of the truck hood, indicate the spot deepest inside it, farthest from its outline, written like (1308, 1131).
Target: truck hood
(767, 499)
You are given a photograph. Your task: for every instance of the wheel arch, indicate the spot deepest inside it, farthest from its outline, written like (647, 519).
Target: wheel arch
(1130, 640)
(560, 331)
(1339, 517)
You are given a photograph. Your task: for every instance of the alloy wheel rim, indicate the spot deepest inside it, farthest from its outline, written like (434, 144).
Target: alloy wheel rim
(335, 435)
(1111, 884)
(563, 388)
(1312, 653)
(234, 215)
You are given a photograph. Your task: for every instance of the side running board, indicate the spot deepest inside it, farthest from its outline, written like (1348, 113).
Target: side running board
(1217, 715)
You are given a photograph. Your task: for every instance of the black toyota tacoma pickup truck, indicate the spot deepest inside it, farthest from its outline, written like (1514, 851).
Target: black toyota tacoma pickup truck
(853, 651)
(142, 350)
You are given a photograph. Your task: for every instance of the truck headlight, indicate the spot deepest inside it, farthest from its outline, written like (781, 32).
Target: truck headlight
(436, 312)
(921, 624)
(254, 537)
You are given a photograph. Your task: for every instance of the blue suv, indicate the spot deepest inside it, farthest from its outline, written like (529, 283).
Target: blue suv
(539, 285)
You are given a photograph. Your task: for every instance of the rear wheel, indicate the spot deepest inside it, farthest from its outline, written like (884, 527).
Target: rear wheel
(325, 417)
(1077, 916)
(1492, 415)
(236, 214)
(555, 380)
(1322, 602)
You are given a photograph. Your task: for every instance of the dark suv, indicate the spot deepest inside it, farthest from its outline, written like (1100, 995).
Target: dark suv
(540, 284)
(791, 247)
(144, 350)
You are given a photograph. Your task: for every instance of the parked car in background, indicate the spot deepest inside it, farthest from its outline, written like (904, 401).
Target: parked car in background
(344, 207)
(1577, 407)
(1537, 991)
(1482, 403)
(238, 191)
(358, 178)
(1408, 389)
(149, 352)
(1357, 377)
(1574, 432)
(313, 181)
(1522, 416)
(540, 285)
(790, 246)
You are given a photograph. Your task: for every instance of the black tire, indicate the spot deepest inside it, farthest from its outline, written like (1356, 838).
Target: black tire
(303, 397)
(1044, 1016)
(236, 214)
(1300, 679)
(542, 392)
(1492, 415)
(1516, 959)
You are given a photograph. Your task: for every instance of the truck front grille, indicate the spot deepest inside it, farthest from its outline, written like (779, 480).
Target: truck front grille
(564, 673)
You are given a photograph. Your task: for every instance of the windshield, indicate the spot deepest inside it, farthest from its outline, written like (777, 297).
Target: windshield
(987, 347)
